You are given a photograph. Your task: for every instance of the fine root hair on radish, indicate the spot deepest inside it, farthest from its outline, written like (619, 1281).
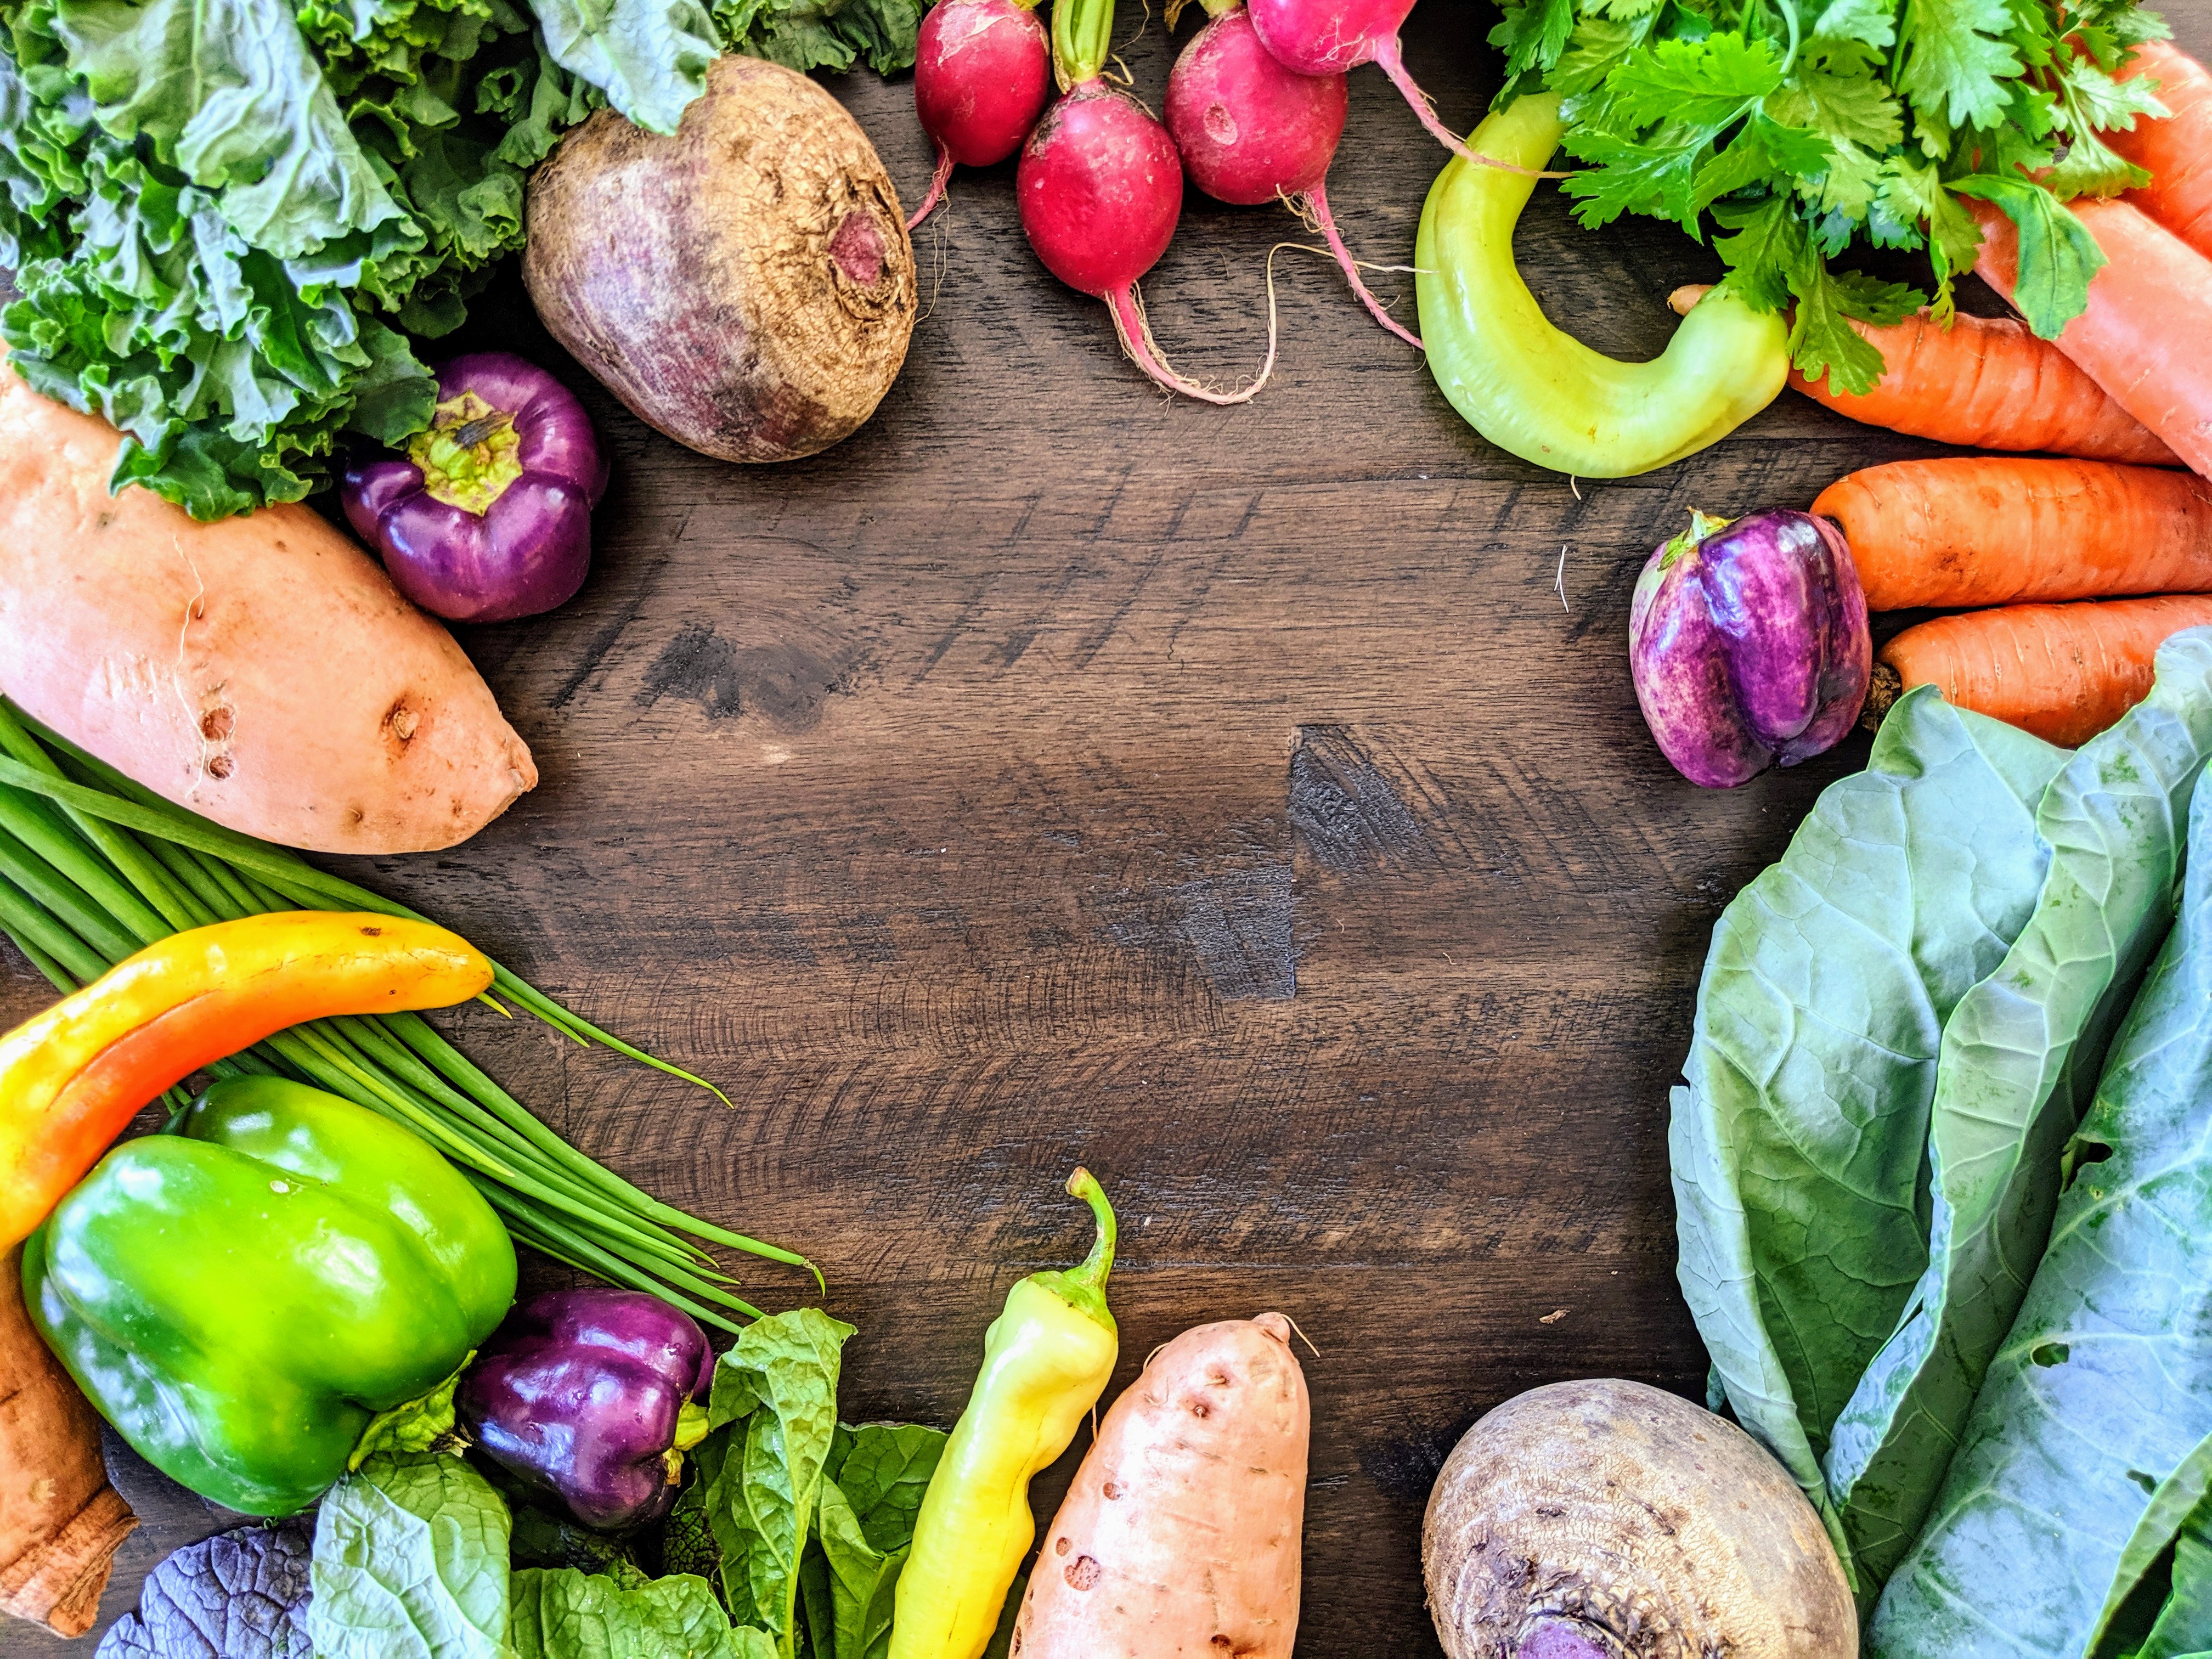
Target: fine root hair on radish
(938, 181)
(1127, 307)
(1312, 209)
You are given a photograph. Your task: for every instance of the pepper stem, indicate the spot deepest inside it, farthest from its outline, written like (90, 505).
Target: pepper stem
(1083, 1287)
(1082, 39)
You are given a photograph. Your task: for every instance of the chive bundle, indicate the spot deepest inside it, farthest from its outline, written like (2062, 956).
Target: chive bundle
(94, 868)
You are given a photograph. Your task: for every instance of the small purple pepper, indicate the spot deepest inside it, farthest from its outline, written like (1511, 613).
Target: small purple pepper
(593, 1395)
(488, 516)
(1747, 640)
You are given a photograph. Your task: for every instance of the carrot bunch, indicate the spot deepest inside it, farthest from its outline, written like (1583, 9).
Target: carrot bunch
(2019, 535)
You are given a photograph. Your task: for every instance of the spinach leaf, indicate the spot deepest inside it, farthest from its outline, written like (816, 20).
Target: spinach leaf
(411, 1563)
(2019, 1059)
(777, 1392)
(562, 1613)
(864, 1529)
(1798, 1144)
(2103, 1390)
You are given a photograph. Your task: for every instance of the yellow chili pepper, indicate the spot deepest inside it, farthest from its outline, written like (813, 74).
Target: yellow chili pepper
(1046, 1360)
(72, 1078)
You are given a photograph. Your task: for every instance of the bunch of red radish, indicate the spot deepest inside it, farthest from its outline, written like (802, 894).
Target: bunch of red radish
(1255, 105)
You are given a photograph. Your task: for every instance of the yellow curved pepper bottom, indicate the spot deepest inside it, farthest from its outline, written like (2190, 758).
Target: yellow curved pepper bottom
(1540, 392)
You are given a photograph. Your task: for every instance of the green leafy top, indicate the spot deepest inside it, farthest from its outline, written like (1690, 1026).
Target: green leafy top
(1803, 130)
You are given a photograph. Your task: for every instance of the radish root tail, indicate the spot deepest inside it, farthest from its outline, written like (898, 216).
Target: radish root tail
(938, 181)
(1392, 61)
(1129, 314)
(1316, 202)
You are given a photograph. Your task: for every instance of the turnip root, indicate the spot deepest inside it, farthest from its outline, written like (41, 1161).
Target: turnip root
(60, 1522)
(262, 670)
(1606, 1520)
(745, 285)
(1179, 1539)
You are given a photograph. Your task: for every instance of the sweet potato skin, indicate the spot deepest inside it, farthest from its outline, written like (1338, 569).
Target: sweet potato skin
(1179, 1538)
(60, 1522)
(262, 670)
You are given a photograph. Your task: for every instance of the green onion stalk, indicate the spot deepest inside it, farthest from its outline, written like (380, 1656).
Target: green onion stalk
(95, 868)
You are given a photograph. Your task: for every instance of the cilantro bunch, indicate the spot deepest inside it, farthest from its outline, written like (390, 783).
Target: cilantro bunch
(1802, 130)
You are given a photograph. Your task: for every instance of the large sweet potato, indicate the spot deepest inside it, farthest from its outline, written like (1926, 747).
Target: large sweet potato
(262, 670)
(1179, 1539)
(745, 285)
(60, 1522)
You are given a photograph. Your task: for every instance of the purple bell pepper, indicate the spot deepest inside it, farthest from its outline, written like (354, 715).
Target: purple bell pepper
(593, 1395)
(1748, 643)
(488, 516)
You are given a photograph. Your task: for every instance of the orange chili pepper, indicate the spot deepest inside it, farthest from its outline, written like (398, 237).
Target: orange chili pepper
(72, 1079)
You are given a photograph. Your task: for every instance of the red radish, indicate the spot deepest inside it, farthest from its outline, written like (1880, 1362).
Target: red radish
(1100, 188)
(1329, 37)
(1251, 130)
(981, 71)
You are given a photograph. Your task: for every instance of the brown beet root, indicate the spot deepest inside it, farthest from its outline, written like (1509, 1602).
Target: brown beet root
(745, 285)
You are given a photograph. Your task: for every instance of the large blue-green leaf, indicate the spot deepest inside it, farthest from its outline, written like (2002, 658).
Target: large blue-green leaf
(2103, 1390)
(649, 56)
(2020, 1059)
(1798, 1142)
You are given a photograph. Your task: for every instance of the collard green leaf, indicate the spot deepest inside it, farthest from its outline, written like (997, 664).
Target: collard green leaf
(864, 1527)
(2103, 1388)
(2144, 1577)
(411, 1563)
(776, 1391)
(559, 1612)
(2020, 1059)
(1796, 1144)
(239, 1595)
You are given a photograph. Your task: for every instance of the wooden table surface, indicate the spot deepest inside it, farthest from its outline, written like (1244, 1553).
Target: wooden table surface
(1251, 804)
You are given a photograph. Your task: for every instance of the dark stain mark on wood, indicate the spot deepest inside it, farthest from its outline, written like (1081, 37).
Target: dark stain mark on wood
(1404, 1466)
(787, 684)
(1343, 810)
(1237, 923)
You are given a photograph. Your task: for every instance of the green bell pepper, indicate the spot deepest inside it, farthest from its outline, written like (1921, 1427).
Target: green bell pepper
(242, 1296)
(1543, 394)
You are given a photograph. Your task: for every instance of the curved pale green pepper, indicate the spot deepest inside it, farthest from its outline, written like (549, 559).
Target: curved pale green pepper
(1542, 393)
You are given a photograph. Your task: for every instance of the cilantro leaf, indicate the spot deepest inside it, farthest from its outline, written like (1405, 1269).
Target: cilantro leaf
(1768, 242)
(1658, 177)
(1871, 22)
(2057, 256)
(1956, 61)
(1853, 105)
(1532, 34)
(1695, 83)
(1822, 341)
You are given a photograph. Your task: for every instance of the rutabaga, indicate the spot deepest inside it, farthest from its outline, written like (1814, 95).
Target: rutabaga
(2103, 1390)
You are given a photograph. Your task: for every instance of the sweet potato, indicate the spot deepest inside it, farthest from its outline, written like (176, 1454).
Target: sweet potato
(262, 670)
(60, 1522)
(1180, 1537)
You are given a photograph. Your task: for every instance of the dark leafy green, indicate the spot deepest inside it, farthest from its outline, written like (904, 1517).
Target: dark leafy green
(2020, 1055)
(2102, 1392)
(559, 1612)
(1797, 1142)
(2144, 1579)
(871, 1490)
(411, 1563)
(1804, 130)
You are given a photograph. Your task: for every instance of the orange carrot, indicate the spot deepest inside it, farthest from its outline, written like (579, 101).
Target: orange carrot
(2143, 337)
(2062, 671)
(2177, 152)
(1983, 383)
(1993, 530)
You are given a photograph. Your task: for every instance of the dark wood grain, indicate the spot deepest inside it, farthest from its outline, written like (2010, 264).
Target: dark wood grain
(1248, 804)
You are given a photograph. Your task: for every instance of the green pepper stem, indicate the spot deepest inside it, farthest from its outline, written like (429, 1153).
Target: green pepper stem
(1082, 38)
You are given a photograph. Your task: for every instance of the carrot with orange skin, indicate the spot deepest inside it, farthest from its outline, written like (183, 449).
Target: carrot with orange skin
(2062, 671)
(1998, 530)
(2176, 151)
(2142, 336)
(1982, 383)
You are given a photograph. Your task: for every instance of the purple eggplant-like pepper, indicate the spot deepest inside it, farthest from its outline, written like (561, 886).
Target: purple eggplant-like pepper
(488, 514)
(1747, 640)
(593, 1395)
